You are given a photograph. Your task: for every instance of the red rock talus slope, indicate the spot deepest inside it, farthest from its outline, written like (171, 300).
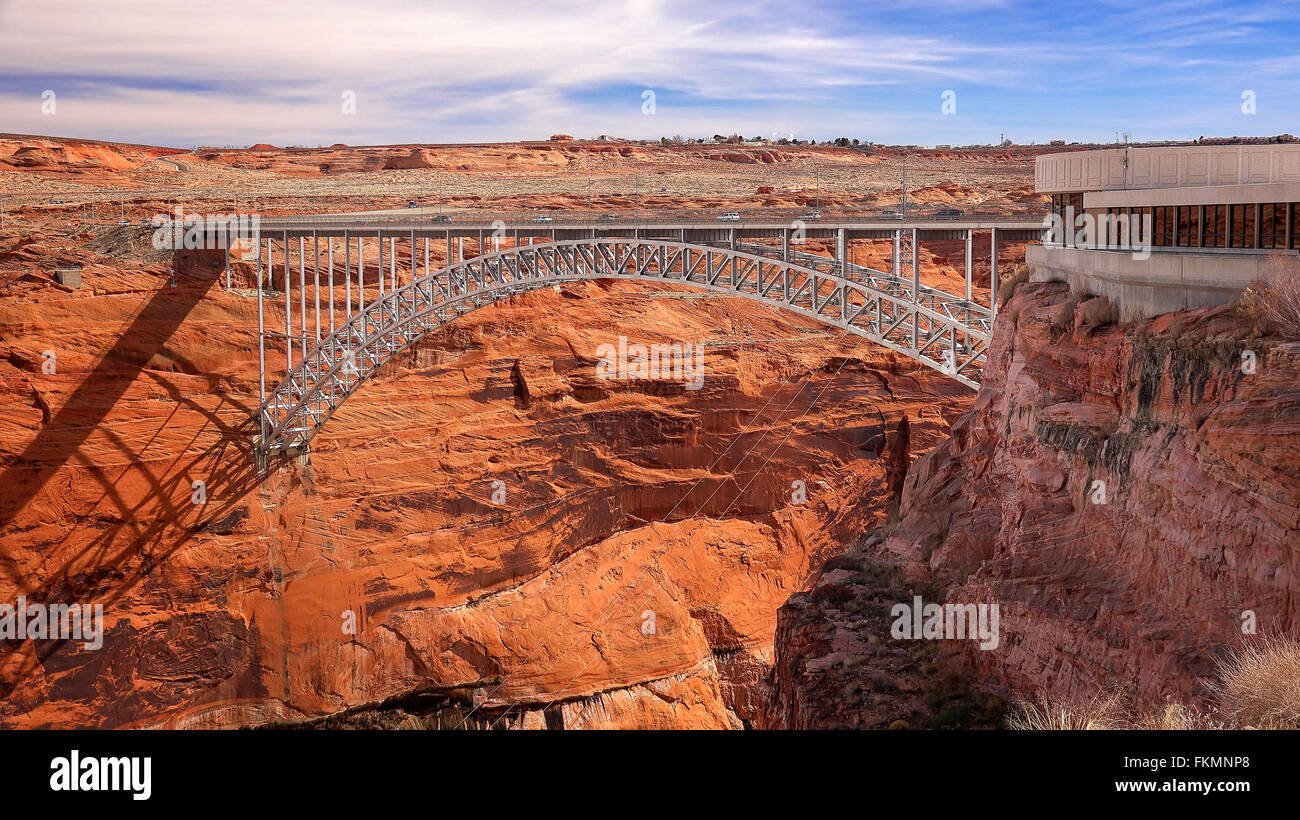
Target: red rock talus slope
(621, 498)
(1139, 595)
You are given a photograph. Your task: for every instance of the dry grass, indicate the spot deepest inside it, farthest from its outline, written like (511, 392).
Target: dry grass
(1259, 688)
(1044, 714)
(1007, 283)
(1176, 717)
(1275, 304)
(1260, 684)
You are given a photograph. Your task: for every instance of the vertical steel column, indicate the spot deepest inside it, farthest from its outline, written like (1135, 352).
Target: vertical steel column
(916, 290)
(460, 249)
(970, 242)
(379, 239)
(449, 257)
(288, 309)
(261, 341)
(842, 251)
(347, 277)
(330, 264)
(392, 264)
(993, 271)
(302, 296)
(898, 241)
(361, 279)
(315, 266)
(785, 245)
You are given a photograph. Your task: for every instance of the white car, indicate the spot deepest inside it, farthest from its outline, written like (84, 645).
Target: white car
(543, 218)
(730, 216)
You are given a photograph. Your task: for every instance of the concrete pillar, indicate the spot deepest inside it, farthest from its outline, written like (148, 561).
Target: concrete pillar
(460, 249)
(732, 233)
(898, 241)
(785, 245)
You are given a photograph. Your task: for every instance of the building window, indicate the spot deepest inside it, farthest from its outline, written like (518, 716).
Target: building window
(1189, 225)
(1295, 225)
(1243, 226)
(1216, 226)
(1163, 226)
(1272, 225)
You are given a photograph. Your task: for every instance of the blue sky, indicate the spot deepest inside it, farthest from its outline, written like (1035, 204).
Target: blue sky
(237, 72)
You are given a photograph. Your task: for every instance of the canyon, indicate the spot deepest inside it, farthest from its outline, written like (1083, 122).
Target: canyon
(489, 534)
(1136, 591)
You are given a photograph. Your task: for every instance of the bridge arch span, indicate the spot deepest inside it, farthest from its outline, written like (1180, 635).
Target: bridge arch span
(934, 328)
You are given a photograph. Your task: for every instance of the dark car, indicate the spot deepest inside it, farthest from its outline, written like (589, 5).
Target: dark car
(948, 213)
(441, 218)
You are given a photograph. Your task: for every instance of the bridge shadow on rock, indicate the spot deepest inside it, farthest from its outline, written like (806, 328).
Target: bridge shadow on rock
(147, 523)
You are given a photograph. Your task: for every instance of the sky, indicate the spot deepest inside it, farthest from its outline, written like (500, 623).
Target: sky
(234, 73)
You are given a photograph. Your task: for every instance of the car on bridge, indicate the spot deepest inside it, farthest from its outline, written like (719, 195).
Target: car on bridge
(730, 216)
(607, 217)
(412, 204)
(543, 218)
(891, 214)
(948, 213)
(441, 218)
(812, 215)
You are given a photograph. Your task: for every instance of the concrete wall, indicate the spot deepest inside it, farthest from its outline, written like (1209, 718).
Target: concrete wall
(1167, 167)
(1167, 281)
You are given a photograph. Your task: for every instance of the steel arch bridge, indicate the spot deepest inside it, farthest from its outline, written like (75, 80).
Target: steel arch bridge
(940, 330)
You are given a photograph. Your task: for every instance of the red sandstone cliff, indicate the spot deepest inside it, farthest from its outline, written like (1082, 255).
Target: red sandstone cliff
(1140, 595)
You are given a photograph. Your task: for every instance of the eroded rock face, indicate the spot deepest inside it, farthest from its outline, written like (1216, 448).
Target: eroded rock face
(1123, 493)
